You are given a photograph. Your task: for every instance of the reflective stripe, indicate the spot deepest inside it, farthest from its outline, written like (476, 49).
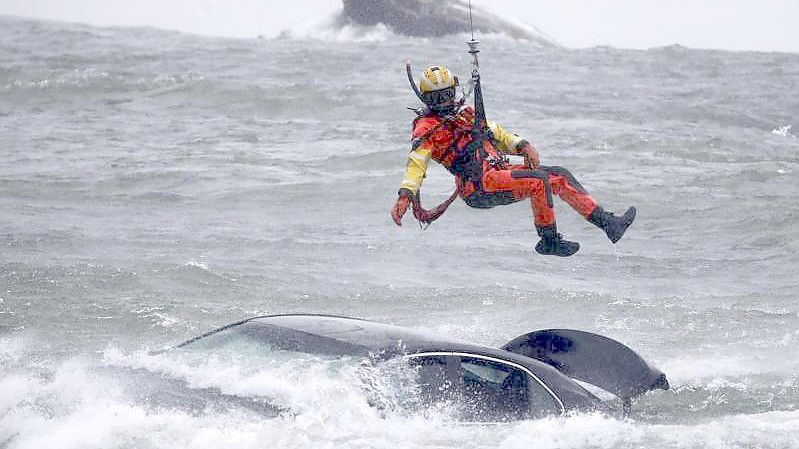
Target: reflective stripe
(420, 157)
(409, 183)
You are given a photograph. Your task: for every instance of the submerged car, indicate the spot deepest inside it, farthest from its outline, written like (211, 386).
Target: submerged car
(533, 375)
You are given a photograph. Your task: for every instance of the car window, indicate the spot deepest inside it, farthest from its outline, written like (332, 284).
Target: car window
(486, 373)
(494, 391)
(509, 392)
(434, 384)
(483, 390)
(541, 401)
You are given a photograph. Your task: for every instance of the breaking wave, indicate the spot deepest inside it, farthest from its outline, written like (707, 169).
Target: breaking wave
(47, 405)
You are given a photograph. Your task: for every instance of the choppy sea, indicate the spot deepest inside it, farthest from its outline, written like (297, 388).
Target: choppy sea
(155, 185)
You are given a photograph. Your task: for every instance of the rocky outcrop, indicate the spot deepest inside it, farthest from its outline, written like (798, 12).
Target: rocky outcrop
(428, 18)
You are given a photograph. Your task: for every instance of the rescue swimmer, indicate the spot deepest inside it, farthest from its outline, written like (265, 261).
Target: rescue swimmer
(473, 149)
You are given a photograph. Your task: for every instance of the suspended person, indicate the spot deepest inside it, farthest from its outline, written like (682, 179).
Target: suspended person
(484, 178)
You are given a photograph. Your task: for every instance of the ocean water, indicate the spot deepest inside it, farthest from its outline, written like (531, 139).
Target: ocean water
(155, 185)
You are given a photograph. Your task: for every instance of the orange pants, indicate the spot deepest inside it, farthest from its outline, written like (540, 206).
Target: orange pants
(517, 182)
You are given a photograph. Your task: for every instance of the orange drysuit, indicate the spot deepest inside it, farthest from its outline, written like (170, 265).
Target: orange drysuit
(485, 179)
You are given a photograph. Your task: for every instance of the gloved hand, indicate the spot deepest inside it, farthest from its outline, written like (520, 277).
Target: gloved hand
(531, 158)
(399, 209)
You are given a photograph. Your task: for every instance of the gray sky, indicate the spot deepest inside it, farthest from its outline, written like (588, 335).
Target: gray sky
(767, 25)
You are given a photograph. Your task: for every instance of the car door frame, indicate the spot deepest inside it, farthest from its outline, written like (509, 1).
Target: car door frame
(515, 365)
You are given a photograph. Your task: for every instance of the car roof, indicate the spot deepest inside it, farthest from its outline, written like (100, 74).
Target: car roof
(376, 337)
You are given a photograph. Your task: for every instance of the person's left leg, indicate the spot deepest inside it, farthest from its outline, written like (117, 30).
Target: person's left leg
(566, 186)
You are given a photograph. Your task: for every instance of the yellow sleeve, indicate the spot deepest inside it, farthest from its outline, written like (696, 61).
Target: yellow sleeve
(416, 168)
(504, 141)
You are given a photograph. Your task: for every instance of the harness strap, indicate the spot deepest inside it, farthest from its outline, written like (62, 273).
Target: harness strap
(539, 173)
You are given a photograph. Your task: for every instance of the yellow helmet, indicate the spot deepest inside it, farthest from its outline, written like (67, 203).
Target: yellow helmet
(437, 86)
(436, 77)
